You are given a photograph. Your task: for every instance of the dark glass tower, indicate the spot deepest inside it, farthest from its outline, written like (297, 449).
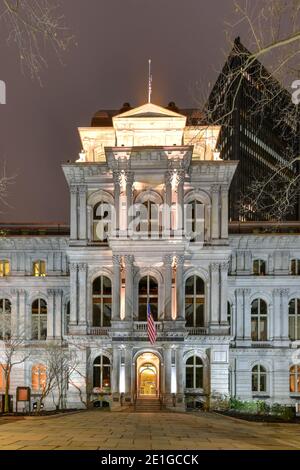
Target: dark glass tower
(260, 127)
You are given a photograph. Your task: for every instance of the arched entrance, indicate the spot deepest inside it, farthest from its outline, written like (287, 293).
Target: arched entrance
(148, 375)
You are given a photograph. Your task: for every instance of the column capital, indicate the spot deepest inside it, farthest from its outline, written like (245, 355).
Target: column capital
(215, 188)
(224, 188)
(54, 291)
(82, 188)
(73, 266)
(129, 259)
(82, 266)
(129, 177)
(215, 267)
(169, 176)
(168, 260)
(117, 260)
(18, 291)
(224, 266)
(179, 260)
(73, 189)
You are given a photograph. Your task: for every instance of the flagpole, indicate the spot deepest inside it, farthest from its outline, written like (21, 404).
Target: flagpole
(149, 81)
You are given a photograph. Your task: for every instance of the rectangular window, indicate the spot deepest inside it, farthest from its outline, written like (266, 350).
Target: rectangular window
(4, 268)
(39, 268)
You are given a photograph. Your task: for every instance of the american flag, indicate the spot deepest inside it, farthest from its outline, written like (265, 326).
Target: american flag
(151, 328)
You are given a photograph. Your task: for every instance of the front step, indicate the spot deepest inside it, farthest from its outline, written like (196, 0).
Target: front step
(147, 405)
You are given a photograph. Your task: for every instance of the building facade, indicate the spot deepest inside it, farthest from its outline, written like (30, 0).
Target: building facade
(149, 230)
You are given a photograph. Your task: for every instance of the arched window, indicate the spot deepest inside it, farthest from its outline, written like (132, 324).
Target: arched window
(67, 318)
(295, 267)
(148, 294)
(259, 320)
(294, 319)
(194, 372)
(102, 301)
(101, 372)
(259, 267)
(39, 268)
(5, 319)
(259, 379)
(149, 214)
(194, 301)
(39, 319)
(4, 268)
(295, 379)
(229, 317)
(101, 221)
(194, 221)
(38, 377)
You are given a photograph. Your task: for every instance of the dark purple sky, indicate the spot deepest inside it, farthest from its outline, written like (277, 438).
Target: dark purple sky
(115, 38)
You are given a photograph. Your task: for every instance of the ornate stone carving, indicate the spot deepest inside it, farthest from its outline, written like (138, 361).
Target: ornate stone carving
(168, 260)
(215, 267)
(82, 266)
(215, 188)
(224, 266)
(73, 267)
(117, 260)
(129, 259)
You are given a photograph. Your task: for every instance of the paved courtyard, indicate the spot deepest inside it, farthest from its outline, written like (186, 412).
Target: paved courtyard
(104, 430)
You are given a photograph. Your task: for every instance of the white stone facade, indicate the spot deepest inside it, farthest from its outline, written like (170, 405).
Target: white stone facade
(218, 331)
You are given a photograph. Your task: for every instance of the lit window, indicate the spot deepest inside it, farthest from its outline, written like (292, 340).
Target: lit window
(294, 319)
(101, 373)
(194, 372)
(148, 294)
(149, 215)
(102, 301)
(5, 319)
(259, 379)
(259, 320)
(295, 267)
(194, 301)
(2, 377)
(4, 268)
(295, 379)
(39, 319)
(259, 267)
(38, 377)
(39, 268)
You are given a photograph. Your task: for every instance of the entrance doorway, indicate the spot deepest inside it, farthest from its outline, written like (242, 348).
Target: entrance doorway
(148, 375)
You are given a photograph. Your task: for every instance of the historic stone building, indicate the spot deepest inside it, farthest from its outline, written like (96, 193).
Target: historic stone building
(149, 227)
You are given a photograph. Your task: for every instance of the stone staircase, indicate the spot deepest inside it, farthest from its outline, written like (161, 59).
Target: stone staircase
(147, 405)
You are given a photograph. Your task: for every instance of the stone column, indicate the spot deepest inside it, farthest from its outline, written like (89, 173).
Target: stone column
(180, 202)
(90, 227)
(128, 366)
(115, 376)
(215, 230)
(58, 327)
(224, 294)
(180, 315)
(168, 375)
(117, 193)
(74, 213)
(168, 203)
(82, 275)
(277, 302)
(247, 316)
(180, 374)
(215, 294)
(73, 294)
(50, 313)
(129, 182)
(82, 212)
(128, 287)
(168, 259)
(224, 211)
(284, 315)
(239, 296)
(23, 320)
(14, 313)
(116, 288)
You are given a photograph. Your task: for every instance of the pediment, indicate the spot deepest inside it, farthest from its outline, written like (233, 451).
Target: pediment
(149, 110)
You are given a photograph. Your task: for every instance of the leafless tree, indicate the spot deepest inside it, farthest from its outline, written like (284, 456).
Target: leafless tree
(13, 351)
(270, 66)
(60, 363)
(34, 25)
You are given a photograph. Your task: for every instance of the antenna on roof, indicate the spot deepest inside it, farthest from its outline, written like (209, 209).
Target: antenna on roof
(149, 81)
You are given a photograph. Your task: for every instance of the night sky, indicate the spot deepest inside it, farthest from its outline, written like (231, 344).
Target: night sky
(185, 40)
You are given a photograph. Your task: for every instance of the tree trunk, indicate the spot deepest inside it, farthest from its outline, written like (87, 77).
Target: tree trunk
(6, 396)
